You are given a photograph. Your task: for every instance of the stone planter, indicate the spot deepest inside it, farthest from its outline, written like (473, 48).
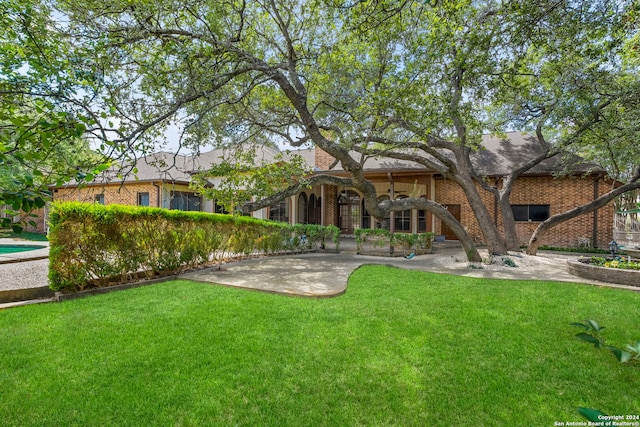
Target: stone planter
(381, 247)
(603, 274)
(634, 252)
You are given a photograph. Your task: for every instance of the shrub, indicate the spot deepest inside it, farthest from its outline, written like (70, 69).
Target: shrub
(615, 263)
(380, 238)
(95, 246)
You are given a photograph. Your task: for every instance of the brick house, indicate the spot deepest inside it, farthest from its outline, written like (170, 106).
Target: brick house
(162, 180)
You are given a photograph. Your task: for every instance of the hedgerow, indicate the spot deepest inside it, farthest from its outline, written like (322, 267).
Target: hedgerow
(381, 241)
(92, 245)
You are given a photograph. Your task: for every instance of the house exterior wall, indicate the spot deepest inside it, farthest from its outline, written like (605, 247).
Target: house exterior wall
(563, 194)
(37, 216)
(560, 194)
(123, 194)
(330, 205)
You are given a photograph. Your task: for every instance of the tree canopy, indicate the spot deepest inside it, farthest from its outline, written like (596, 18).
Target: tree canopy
(43, 122)
(410, 80)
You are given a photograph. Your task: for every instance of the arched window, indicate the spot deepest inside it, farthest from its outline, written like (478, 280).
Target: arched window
(303, 213)
(279, 211)
(313, 209)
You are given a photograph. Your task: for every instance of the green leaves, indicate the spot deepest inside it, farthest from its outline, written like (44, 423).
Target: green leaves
(96, 245)
(593, 336)
(243, 176)
(43, 83)
(591, 414)
(590, 339)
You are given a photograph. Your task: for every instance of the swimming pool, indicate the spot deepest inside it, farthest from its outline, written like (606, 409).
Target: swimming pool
(10, 249)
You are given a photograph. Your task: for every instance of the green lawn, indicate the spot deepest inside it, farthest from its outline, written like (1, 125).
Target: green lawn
(399, 348)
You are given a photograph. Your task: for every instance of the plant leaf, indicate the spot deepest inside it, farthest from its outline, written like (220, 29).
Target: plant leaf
(591, 414)
(634, 348)
(594, 324)
(580, 325)
(621, 355)
(589, 338)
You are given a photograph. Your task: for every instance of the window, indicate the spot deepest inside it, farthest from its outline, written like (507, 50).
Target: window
(366, 217)
(143, 199)
(530, 213)
(303, 209)
(314, 209)
(279, 211)
(422, 219)
(402, 220)
(184, 201)
(99, 198)
(219, 208)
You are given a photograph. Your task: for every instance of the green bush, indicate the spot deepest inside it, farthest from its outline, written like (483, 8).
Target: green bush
(381, 238)
(92, 245)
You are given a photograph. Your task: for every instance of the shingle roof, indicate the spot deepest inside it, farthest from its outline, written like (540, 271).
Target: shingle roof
(498, 157)
(165, 166)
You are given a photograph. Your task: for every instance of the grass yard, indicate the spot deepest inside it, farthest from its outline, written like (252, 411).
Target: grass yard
(399, 348)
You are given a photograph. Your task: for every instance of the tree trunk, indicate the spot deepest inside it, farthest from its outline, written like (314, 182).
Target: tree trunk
(493, 239)
(508, 223)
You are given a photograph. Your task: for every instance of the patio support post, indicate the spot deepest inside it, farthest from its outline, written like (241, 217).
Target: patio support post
(392, 214)
(294, 210)
(322, 203)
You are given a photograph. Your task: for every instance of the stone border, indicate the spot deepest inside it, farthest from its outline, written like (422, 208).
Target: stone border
(25, 294)
(604, 274)
(61, 296)
(632, 252)
(33, 255)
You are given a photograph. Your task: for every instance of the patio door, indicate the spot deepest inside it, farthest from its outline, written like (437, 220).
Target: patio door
(349, 213)
(446, 231)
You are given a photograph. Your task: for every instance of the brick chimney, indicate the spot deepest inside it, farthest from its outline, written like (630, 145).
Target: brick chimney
(323, 159)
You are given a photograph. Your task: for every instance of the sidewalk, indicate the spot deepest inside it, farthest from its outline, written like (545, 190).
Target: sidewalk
(324, 275)
(321, 274)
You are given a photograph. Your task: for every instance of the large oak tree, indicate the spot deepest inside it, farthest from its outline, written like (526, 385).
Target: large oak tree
(419, 81)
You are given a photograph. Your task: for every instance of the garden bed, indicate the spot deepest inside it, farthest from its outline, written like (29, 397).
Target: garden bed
(585, 269)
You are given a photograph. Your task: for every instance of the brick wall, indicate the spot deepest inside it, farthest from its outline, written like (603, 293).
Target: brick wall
(561, 194)
(38, 216)
(330, 205)
(323, 159)
(113, 194)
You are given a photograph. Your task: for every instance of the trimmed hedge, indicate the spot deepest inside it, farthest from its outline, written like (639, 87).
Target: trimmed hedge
(380, 241)
(92, 245)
